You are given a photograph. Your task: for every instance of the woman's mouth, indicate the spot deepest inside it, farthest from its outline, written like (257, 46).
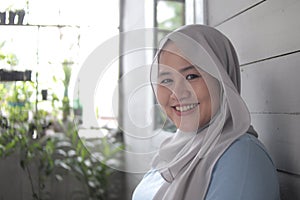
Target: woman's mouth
(185, 108)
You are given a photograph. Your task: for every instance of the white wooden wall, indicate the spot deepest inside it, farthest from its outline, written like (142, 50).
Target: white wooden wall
(266, 34)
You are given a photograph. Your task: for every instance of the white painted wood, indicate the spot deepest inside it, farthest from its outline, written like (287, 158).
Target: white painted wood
(189, 12)
(219, 11)
(199, 11)
(280, 134)
(271, 91)
(272, 85)
(268, 29)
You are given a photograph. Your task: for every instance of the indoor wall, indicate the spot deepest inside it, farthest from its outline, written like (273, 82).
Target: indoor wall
(265, 34)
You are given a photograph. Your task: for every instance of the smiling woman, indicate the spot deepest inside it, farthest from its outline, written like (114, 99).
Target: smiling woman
(182, 90)
(215, 153)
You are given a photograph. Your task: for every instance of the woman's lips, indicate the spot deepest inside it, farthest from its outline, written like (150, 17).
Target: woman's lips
(186, 109)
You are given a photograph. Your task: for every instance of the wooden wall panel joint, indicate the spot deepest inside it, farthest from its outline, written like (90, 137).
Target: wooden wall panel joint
(239, 13)
(269, 58)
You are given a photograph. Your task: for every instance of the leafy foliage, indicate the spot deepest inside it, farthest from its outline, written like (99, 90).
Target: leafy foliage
(90, 168)
(50, 152)
(8, 58)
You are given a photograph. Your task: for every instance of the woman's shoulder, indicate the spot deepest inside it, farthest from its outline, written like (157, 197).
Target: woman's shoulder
(247, 152)
(245, 146)
(244, 171)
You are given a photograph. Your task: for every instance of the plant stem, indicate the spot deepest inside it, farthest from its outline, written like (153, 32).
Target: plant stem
(31, 184)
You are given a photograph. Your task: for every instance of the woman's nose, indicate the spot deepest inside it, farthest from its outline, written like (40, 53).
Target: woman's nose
(181, 90)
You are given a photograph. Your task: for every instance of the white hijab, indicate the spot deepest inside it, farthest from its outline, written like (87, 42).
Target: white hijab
(186, 160)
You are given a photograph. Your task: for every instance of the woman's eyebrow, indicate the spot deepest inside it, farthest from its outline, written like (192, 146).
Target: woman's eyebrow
(164, 73)
(187, 68)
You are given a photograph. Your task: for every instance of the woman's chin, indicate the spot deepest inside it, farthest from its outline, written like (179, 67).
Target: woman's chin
(188, 127)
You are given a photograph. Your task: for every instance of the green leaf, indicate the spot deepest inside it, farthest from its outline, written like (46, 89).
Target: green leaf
(71, 153)
(83, 153)
(63, 165)
(78, 148)
(50, 162)
(106, 147)
(74, 138)
(63, 144)
(61, 152)
(92, 184)
(34, 146)
(2, 148)
(49, 147)
(54, 79)
(59, 177)
(2, 56)
(10, 145)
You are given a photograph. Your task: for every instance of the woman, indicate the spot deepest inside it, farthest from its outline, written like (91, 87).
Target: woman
(215, 153)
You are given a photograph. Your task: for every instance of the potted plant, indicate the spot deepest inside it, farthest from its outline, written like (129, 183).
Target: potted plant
(3, 8)
(16, 9)
(2, 17)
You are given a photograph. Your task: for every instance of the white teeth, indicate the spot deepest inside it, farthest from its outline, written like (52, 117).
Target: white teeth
(186, 107)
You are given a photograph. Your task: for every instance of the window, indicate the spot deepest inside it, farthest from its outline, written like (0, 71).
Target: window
(170, 14)
(54, 34)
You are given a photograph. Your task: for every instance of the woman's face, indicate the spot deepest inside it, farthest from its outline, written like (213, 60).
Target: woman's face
(183, 91)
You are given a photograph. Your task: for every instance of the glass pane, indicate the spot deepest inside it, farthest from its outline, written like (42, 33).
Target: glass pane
(20, 42)
(49, 45)
(170, 14)
(58, 31)
(43, 12)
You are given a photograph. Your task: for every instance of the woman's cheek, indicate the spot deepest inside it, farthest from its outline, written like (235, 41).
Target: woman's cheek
(163, 95)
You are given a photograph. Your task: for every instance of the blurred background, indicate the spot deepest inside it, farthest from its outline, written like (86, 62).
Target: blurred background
(59, 139)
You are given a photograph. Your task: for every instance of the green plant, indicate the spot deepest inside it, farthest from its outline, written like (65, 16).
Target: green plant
(12, 59)
(8, 58)
(24, 137)
(66, 101)
(90, 168)
(15, 101)
(18, 138)
(49, 153)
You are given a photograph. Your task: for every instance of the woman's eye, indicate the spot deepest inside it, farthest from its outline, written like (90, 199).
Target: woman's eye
(166, 81)
(192, 76)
